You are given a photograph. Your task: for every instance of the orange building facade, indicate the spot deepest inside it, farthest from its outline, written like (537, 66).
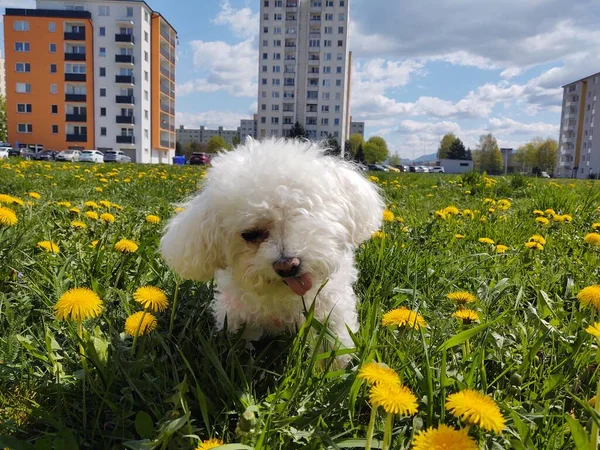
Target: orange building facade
(49, 79)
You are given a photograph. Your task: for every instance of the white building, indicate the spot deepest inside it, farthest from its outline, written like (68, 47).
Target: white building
(304, 68)
(579, 150)
(202, 135)
(248, 127)
(357, 128)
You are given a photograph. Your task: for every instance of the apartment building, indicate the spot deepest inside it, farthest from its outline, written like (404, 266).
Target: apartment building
(248, 128)
(91, 74)
(202, 135)
(579, 150)
(304, 68)
(357, 128)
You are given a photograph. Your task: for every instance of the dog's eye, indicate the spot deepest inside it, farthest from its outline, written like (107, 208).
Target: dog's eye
(255, 236)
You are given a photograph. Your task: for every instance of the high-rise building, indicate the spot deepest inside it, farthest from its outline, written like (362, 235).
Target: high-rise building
(357, 128)
(90, 74)
(2, 78)
(304, 68)
(248, 128)
(579, 150)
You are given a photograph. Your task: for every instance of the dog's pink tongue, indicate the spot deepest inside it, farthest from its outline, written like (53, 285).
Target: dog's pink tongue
(299, 285)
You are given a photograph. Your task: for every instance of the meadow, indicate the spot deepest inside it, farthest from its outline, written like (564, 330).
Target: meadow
(472, 296)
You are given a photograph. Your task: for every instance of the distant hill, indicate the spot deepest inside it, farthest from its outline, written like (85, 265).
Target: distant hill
(424, 158)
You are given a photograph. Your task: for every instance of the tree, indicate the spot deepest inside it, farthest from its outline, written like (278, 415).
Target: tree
(333, 146)
(488, 157)
(297, 132)
(537, 155)
(360, 155)
(395, 160)
(375, 150)
(195, 147)
(216, 144)
(356, 140)
(236, 140)
(178, 148)
(445, 145)
(457, 150)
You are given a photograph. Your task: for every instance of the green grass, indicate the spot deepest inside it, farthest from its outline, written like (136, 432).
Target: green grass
(186, 382)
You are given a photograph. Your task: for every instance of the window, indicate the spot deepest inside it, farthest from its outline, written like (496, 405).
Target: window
(342, 3)
(338, 83)
(102, 71)
(342, 17)
(104, 10)
(129, 11)
(266, 30)
(278, 16)
(51, 27)
(277, 30)
(102, 92)
(328, 30)
(325, 96)
(340, 30)
(146, 37)
(326, 43)
(147, 16)
(275, 94)
(327, 56)
(324, 121)
(22, 67)
(263, 120)
(74, 8)
(277, 56)
(265, 56)
(146, 114)
(54, 109)
(263, 94)
(75, 68)
(102, 31)
(263, 81)
(24, 108)
(54, 129)
(146, 56)
(21, 25)
(274, 120)
(103, 112)
(275, 108)
(336, 121)
(276, 82)
(54, 89)
(146, 95)
(329, 4)
(52, 68)
(21, 46)
(326, 69)
(328, 16)
(340, 56)
(340, 43)
(102, 51)
(52, 48)
(265, 42)
(102, 131)
(326, 83)
(146, 134)
(276, 69)
(266, 3)
(24, 128)
(337, 108)
(265, 68)
(266, 16)
(146, 76)
(23, 88)
(338, 69)
(263, 107)
(325, 108)
(277, 43)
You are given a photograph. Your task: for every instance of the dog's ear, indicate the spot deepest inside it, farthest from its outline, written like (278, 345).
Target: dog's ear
(362, 203)
(192, 244)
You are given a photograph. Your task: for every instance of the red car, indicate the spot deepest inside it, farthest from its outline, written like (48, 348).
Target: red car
(200, 159)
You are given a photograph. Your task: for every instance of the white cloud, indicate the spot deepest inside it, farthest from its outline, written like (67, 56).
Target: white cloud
(17, 3)
(242, 22)
(510, 126)
(211, 119)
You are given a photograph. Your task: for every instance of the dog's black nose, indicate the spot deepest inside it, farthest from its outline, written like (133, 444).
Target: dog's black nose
(287, 267)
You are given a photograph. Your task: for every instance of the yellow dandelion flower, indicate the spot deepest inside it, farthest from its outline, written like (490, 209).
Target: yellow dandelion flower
(179, 209)
(444, 438)
(145, 321)
(403, 317)
(550, 212)
(567, 217)
(538, 238)
(395, 399)
(429, 195)
(468, 213)
(558, 218)
(152, 219)
(8, 218)
(542, 220)
(590, 296)
(467, 192)
(595, 226)
(502, 248)
(534, 245)
(378, 373)
(594, 330)
(117, 206)
(482, 219)
(78, 304)
(451, 210)
(405, 229)
(127, 180)
(126, 246)
(374, 179)
(379, 235)
(75, 210)
(65, 204)
(388, 216)
(441, 214)
(461, 297)
(210, 443)
(9, 199)
(477, 409)
(459, 236)
(94, 244)
(486, 241)
(538, 212)
(151, 297)
(399, 220)
(91, 215)
(105, 203)
(35, 195)
(107, 217)
(103, 180)
(503, 204)
(92, 205)
(592, 239)
(78, 224)
(492, 210)
(490, 201)
(48, 247)
(466, 315)
(98, 189)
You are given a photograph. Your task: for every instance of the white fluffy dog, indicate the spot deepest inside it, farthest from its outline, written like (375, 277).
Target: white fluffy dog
(274, 221)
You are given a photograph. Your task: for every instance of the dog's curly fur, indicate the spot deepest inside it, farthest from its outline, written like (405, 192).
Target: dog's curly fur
(314, 207)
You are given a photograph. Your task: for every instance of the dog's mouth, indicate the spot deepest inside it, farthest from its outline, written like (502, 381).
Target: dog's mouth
(299, 285)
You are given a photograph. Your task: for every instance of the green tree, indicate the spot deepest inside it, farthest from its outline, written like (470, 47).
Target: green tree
(195, 147)
(525, 157)
(488, 156)
(547, 154)
(333, 146)
(236, 140)
(297, 132)
(356, 140)
(445, 145)
(216, 144)
(457, 150)
(3, 120)
(360, 155)
(178, 148)
(375, 150)
(395, 160)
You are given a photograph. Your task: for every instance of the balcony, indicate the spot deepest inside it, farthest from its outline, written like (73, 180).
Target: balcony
(75, 36)
(125, 99)
(75, 98)
(124, 59)
(124, 38)
(165, 144)
(76, 118)
(75, 77)
(74, 56)
(130, 120)
(125, 79)
(125, 139)
(76, 137)
(291, 4)
(165, 90)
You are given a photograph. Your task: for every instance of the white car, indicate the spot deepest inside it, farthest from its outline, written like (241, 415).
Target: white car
(93, 156)
(4, 152)
(68, 155)
(437, 169)
(545, 175)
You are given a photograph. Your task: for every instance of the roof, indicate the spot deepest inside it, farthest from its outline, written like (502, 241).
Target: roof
(48, 13)
(581, 79)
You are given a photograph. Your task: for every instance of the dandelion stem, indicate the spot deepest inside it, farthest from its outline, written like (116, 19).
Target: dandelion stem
(84, 364)
(174, 307)
(387, 435)
(371, 428)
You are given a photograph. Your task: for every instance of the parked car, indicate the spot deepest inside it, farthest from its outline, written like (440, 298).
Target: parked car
(391, 168)
(3, 152)
(437, 169)
(93, 156)
(545, 175)
(68, 155)
(117, 156)
(362, 167)
(45, 155)
(16, 151)
(199, 158)
(377, 168)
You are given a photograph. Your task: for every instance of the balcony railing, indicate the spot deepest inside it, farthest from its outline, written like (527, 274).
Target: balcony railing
(125, 59)
(125, 99)
(74, 56)
(76, 118)
(125, 139)
(75, 97)
(75, 36)
(124, 79)
(75, 77)
(76, 137)
(125, 38)
(125, 120)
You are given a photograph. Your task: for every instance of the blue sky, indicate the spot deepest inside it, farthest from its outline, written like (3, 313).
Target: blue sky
(421, 68)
